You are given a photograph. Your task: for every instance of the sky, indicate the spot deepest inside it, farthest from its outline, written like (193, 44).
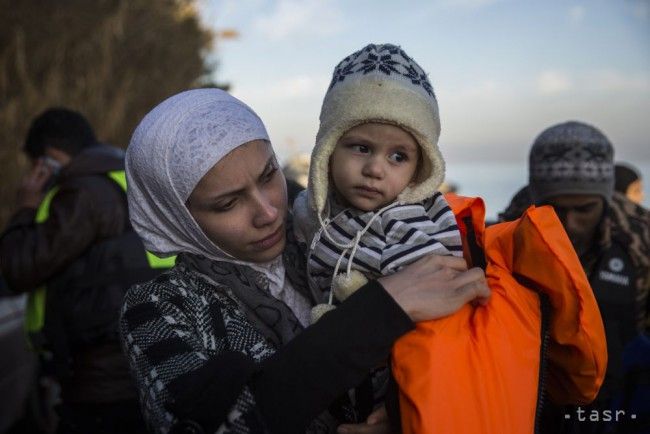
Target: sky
(502, 70)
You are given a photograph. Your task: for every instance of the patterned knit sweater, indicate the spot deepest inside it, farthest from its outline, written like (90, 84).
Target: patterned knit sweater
(200, 364)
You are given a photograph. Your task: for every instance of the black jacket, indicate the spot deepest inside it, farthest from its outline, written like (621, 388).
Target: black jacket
(618, 269)
(202, 366)
(88, 209)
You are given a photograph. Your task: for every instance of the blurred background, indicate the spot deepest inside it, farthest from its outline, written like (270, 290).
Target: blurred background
(503, 71)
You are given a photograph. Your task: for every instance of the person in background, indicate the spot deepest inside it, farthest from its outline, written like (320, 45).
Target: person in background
(628, 182)
(71, 247)
(571, 168)
(296, 170)
(449, 187)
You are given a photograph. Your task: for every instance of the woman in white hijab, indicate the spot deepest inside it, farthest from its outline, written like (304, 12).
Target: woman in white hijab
(220, 342)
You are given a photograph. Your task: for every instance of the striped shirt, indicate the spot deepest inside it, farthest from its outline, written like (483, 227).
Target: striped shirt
(398, 236)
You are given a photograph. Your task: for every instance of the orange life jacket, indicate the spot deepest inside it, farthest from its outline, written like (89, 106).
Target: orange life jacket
(485, 369)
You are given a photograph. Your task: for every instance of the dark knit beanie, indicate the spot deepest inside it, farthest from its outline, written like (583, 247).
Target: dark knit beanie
(624, 175)
(571, 158)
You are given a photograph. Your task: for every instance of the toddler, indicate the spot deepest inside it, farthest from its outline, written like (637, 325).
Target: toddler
(372, 205)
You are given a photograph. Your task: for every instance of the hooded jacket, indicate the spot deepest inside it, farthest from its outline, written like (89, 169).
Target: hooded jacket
(87, 209)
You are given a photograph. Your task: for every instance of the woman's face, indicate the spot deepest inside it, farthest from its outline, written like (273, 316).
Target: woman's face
(241, 203)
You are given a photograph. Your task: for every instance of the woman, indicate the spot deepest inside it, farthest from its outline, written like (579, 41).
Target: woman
(220, 342)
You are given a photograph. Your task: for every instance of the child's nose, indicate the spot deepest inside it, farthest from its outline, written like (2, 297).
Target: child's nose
(373, 168)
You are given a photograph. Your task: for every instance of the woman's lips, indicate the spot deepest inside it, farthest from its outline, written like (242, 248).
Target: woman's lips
(271, 240)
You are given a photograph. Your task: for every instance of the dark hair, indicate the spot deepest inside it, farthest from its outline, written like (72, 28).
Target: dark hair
(624, 176)
(60, 128)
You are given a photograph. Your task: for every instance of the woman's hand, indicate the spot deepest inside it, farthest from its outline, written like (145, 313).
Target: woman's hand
(436, 286)
(377, 423)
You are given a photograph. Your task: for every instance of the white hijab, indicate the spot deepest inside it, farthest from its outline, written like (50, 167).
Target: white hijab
(172, 148)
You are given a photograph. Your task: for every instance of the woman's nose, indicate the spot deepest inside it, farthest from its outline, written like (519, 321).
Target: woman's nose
(266, 212)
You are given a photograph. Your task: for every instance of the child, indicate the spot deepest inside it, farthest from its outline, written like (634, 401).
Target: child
(374, 176)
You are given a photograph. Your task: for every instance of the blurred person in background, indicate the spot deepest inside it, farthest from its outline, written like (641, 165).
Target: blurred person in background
(628, 182)
(296, 171)
(571, 168)
(18, 369)
(448, 187)
(71, 247)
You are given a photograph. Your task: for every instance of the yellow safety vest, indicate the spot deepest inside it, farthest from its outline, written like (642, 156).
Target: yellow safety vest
(35, 310)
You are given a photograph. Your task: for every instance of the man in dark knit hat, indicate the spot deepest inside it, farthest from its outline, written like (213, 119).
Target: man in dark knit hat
(571, 168)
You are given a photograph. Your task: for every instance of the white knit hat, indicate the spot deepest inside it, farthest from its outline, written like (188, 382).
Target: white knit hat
(379, 83)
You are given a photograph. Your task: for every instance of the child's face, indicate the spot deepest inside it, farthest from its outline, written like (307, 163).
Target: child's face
(372, 163)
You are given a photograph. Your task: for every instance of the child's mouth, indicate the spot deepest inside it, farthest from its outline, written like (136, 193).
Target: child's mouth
(368, 191)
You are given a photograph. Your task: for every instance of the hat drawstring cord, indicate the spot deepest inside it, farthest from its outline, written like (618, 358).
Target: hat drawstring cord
(354, 244)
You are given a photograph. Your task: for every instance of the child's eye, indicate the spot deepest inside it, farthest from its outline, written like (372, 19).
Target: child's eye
(363, 149)
(398, 157)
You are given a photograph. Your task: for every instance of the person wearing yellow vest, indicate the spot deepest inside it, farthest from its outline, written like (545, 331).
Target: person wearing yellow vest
(71, 247)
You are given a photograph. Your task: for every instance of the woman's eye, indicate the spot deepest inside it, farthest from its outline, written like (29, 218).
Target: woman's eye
(221, 207)
(269, 175)
(398, 157)
(363, 149)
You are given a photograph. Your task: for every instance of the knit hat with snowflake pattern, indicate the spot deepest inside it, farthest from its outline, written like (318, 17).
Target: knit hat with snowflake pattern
(379, 83)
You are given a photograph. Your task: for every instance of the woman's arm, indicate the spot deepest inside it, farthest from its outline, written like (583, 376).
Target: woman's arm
(169, 361)
(180, 385)
(436, 286)
(328, 358)
(284, 393)
(337, 352)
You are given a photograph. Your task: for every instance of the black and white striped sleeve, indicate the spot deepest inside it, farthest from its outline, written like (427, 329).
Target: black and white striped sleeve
(415, 230)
